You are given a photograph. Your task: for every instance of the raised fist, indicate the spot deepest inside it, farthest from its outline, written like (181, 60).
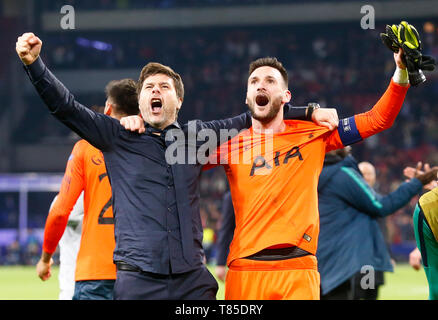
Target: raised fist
(28, 47)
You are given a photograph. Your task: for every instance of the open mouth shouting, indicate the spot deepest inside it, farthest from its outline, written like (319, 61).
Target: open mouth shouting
(156, 105)
(262, 99)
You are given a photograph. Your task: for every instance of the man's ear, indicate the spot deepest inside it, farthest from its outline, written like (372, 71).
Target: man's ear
(108, 109)
(179, 105)
(287, 96)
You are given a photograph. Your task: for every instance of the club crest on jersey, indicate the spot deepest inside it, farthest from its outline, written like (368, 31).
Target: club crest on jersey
(260, 161)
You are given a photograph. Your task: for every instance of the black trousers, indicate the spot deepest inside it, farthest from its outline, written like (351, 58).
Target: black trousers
(351, 289)
(194, 285)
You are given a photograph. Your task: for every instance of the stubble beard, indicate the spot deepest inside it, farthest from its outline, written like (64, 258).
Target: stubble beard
(166, 118)
(273, 111)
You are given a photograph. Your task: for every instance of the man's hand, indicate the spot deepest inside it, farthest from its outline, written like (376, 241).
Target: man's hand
(326, 117)
(428, 176)
(415, 259)
(398, 58)
(133, 123)
(410, 173)
(221, 272)
(28, 48)
(44, 269)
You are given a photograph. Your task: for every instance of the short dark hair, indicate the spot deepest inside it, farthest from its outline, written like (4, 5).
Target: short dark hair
(99, 109)
(153, 68)
(269, 62)
(123, 93)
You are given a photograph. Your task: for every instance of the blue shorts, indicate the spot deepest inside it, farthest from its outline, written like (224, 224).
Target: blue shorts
(94, 290)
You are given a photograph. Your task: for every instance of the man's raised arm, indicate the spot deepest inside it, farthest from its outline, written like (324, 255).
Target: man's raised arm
(381, 117)
(96, 128)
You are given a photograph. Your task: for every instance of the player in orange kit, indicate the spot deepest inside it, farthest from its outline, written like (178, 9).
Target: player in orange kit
(95, 271)
(273, 171)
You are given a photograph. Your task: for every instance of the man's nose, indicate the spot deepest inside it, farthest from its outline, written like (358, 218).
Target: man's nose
(261, 87)
(156, 89)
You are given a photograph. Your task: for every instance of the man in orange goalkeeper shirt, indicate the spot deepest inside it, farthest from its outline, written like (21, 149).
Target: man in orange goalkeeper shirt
(273, 171)
(95, 271)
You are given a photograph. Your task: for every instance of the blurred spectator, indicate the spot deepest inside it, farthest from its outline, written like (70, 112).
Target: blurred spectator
(13, 254)
(32, 248)
(350, 237)
(55, 5)
(8, 210)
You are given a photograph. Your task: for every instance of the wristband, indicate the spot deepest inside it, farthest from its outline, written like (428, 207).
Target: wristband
(401, 76)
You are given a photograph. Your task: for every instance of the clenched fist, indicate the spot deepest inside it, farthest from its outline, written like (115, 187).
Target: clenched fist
(28, 47)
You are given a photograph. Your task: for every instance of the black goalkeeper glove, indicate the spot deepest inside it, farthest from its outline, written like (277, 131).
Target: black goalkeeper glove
(390, 38)
(415, 61)
(405, 36)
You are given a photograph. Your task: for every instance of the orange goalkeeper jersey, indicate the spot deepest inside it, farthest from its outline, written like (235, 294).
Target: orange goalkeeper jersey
(85, 171)
(275, 193)
(273, 178)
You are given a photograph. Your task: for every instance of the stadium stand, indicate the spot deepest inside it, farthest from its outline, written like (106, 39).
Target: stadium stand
(51, 5)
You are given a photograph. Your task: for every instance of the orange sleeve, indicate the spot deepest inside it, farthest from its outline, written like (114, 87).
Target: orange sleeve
(384, 112)
(364, 125)
(333, 141)
(71, 188)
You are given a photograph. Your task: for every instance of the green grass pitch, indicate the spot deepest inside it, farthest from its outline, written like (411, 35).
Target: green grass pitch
(22, 283)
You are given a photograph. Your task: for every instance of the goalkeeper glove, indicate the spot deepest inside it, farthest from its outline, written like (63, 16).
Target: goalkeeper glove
(390, 38)
(405, 36)
(410, 42)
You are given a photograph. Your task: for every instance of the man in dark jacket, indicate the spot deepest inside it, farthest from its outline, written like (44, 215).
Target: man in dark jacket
(158, 228)
(350, 240)
(369, 174)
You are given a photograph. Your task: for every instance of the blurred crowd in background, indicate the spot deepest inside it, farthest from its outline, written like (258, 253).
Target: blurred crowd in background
(337, 65)
(54, 5)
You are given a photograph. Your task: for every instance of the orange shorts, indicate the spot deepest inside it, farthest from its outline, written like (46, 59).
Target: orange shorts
(291, 279)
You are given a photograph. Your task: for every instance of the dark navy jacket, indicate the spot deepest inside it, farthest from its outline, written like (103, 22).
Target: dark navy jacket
(350, 237)
(155, 204)
(226, 231)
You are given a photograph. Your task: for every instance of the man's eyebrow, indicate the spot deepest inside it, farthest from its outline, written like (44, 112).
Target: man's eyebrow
(159, 83)
(267, 77)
